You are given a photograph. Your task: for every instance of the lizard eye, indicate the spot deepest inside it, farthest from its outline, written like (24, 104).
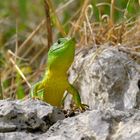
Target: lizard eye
(59, 41)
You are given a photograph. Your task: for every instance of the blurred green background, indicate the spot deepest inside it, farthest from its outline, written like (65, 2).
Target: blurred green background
(30, 12)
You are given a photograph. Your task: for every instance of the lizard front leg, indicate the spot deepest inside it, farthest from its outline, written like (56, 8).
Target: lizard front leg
(76, 97)
(37, 91)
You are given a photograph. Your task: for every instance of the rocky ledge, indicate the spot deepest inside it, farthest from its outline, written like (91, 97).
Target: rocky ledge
(107, 80)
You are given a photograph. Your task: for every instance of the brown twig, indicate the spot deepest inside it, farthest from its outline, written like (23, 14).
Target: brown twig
(48, 23)
(129, 51)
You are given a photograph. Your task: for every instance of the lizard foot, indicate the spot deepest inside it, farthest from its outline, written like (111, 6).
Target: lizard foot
(36, 97)
(83, 107)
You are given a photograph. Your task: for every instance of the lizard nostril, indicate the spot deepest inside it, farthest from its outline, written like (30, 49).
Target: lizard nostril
(59, 41)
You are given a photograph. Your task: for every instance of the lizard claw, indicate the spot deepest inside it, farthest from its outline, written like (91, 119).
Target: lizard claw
(84, 107)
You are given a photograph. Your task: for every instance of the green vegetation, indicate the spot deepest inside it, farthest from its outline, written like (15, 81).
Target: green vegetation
(24, 34)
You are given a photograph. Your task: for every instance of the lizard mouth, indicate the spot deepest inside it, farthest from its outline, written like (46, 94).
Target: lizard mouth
(56, 49)
(60, 44)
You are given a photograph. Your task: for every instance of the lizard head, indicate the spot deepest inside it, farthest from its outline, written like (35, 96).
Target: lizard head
(61, 53)
(61, 45)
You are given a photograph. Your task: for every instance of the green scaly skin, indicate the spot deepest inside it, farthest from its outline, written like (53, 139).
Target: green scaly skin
(55, 81)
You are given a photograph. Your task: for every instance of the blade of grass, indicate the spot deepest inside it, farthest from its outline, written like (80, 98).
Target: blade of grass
(112, 12)
(81, 18)
(1, 93)
(20, 72)
(28, 40)
(55, 19)
(23, 8)
(127, 8)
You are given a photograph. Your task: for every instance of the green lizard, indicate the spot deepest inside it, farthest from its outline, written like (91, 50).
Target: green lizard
(55, 81)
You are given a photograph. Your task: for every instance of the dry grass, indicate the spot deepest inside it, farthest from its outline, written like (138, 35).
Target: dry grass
(26, 63)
